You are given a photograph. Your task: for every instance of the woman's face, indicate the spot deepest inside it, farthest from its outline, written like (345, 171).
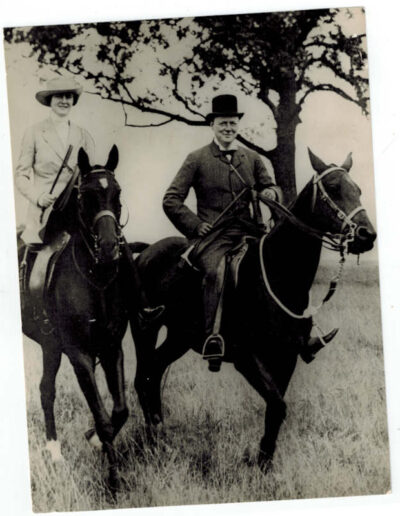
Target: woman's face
(61, 103)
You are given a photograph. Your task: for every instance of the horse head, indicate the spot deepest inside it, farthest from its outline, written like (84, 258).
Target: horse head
(336, 205)
(99, 206)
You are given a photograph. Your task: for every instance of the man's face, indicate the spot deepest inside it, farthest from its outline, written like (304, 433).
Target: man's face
(61, 103)
(225, 129)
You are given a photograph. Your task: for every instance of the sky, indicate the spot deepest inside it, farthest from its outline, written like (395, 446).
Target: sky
(383, 44)
(150, 157)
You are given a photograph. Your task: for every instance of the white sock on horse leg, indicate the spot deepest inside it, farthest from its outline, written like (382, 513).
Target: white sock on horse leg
(95, 442)
(54, 448)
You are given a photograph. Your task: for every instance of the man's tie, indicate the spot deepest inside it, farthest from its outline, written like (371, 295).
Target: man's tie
(228, 154)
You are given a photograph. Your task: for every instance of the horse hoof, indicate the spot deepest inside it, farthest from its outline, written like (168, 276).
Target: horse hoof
(112, 486)
(93, 439)
(155, 429)
(264, 462)
(54, 448)
(156, 420)
(248, 459)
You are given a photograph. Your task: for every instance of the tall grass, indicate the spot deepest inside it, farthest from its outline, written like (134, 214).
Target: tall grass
(333, 443)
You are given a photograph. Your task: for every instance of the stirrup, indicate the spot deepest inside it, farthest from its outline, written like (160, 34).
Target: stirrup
(214, 347)
(213, 351)
(149, 316)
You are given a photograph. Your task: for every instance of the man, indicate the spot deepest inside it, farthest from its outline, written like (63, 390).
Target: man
(218, 173)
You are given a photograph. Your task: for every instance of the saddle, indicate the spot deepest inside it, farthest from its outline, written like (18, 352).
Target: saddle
(36, 273)
(234, 258)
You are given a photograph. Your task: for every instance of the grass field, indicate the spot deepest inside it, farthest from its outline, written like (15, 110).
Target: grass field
(333, 443)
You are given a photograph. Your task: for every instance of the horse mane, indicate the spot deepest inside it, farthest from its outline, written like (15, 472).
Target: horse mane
(294, 206)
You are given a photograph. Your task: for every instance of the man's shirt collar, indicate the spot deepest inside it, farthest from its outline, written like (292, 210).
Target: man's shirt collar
(232, 146)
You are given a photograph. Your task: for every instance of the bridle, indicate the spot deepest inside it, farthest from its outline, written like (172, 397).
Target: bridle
(346, 219)
(338, 242)
(90, 230)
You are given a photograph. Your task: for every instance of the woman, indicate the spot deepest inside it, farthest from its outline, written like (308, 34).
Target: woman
(44, 150)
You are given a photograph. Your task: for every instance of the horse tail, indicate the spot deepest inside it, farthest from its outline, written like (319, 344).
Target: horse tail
(137, 247)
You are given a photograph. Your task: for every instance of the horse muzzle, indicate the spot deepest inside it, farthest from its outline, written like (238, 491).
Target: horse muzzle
(108, 239)
(364, 238)
(108, 251)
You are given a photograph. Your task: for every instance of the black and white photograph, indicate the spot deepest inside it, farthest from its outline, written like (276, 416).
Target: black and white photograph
(197, 274)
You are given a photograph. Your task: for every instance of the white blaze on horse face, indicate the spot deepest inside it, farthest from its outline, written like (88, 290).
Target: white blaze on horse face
(104, 183)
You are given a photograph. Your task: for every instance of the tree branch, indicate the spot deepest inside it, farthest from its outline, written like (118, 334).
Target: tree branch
(127, 124)
(138, 104)
(174, 76)
(338, 71)
(148, 125)
(331, 88)
(253, 146)
(263, 95)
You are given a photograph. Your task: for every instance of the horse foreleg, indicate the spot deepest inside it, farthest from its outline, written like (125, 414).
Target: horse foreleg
(149, 373)
(51, 365)
(145, 343)
(254, 370)
(83, 365)
(113, 365)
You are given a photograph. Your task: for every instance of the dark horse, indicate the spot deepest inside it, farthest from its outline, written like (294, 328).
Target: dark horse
(85, 302)
(263, 323)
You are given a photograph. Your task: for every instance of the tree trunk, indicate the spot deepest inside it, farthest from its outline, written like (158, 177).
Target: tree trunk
(283, 156)
(283, 161)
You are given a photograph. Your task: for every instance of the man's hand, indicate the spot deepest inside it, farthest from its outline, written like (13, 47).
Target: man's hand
(269, 193)
(46, 199)
(203, 228)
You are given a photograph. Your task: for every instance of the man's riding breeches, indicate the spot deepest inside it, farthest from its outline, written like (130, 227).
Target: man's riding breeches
(211, 261)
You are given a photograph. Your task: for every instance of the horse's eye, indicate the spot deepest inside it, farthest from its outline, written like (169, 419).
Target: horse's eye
(334, 188)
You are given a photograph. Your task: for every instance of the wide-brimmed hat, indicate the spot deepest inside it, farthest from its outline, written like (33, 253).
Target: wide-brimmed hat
(224, 105)
(57, 86)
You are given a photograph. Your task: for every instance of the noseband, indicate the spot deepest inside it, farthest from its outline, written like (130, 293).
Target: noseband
(345, 218)
(90, 230)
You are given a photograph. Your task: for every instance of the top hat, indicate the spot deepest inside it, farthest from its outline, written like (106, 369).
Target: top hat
(57, 86)
(223, 105)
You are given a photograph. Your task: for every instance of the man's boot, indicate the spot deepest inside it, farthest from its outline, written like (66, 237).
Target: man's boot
(309, 349)
(214, 345)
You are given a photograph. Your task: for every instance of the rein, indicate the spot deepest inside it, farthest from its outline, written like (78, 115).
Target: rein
(327, 238)
(311, 309)
(331, 241)
(86, 231)
(345, 239)
(87, 278)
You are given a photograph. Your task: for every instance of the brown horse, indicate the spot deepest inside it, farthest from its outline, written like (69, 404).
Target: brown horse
(86, 303)
(264, 321)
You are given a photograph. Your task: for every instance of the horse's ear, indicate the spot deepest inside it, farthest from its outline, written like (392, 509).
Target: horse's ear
(83, 161)
(348, 162)
(113, 157)
(317, 164)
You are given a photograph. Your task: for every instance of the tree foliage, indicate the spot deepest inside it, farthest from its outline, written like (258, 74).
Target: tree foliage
(167, 68)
